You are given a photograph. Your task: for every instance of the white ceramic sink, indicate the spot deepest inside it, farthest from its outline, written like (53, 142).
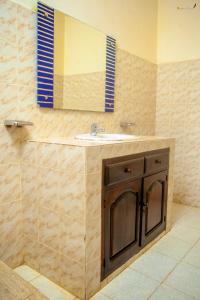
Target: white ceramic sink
(105, 137)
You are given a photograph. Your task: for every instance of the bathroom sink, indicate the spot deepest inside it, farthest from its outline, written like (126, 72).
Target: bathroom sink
(105, 137)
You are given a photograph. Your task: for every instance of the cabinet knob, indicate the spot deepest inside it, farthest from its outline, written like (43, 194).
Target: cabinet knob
(158, 161)
(145, 206)
(127, 170)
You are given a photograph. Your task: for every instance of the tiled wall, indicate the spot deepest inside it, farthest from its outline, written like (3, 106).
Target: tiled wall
(11, 77)
(53, 205)
(89, 91)
(178, 115)
(11, 238)
(135, 84)
(135, 101)
(93, 85)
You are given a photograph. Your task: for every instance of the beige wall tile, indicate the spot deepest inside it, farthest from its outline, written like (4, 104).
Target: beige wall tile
(71, 158)
(30, 182)
(28, 108)
(72, 239)
(49, 228)
(8, 62)
(30, 218)
(93, 240)
(47, 155)
(9, 183)
(178, 115)
(93, 194)
(9, 102)
(32, 253)
(73, 277)
(93, 217)
(8, 20)
(93, 278)
(49, 191)
(11, 242)
(93, 164)
(72, 195)
(49, 263)
(28, 154)
(10, 145)
(14, 253)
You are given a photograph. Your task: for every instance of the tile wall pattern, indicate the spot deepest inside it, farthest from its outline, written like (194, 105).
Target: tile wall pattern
(93, 97)
(135, 101)
(18, 100)
(178, 116)
(53, 199)
(135, 84)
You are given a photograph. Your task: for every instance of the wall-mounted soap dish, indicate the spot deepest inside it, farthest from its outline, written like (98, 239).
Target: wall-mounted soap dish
(17, 123)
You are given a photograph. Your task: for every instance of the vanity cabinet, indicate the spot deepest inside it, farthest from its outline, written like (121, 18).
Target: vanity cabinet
(134, 202)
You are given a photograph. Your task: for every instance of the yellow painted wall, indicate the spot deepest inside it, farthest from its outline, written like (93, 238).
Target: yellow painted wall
(132, 22)
(83, 41)
(59, 41)
(178, 31)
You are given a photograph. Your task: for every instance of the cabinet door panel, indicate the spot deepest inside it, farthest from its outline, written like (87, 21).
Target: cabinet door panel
(121, 219)
(154, 206)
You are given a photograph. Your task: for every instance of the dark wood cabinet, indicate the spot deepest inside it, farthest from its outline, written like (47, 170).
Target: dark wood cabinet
(133, 205)
(122, 220)
(154, 206)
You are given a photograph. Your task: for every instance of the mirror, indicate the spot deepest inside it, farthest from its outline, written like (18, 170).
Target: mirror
(76, 64)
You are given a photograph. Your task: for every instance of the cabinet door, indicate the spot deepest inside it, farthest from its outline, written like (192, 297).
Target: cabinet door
(121, 217)
(154, 206)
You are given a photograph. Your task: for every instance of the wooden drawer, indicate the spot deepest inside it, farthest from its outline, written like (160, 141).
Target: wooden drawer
(125, 170)
(156, 162)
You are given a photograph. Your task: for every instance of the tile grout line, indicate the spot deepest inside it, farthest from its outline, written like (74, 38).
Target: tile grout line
(178, 263)
(59, 288)
(34, 278)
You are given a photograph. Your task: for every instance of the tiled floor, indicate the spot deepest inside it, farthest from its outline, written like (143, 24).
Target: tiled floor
(44, 285)
(170, 270)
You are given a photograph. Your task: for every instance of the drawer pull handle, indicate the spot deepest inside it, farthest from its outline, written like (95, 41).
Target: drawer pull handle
(127, 170)
(158, 161)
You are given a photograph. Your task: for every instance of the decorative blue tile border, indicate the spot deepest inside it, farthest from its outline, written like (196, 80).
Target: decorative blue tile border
(110, 74)
(45, 56)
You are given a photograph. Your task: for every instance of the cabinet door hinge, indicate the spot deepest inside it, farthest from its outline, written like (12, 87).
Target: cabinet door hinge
(166, 177)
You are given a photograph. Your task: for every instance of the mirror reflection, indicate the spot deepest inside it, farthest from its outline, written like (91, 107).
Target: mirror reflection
(76, 63)
(79, 65)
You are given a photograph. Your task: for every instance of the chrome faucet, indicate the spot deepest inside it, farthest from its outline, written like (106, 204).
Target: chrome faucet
(94, 129)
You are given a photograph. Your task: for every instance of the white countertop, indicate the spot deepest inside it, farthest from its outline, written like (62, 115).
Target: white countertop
(71, 141)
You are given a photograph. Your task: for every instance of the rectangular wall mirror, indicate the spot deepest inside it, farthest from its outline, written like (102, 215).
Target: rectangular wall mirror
(76, 63)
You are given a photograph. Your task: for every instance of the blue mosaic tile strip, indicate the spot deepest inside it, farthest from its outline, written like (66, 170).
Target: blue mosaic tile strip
(45, 57)
(110, 74)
